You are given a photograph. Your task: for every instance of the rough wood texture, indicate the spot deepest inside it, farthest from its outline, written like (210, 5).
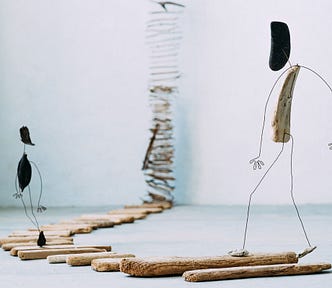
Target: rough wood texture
(254, 271)
(15, 250)
(60, 233)
(136, 211)
(162, 266)
(106, 265)
(86, 258)
(43, 253)
(116, 219)
(94, 223)
(75, 228)
(161, 204)
(281, 120)
(9, 246)
(30, 239)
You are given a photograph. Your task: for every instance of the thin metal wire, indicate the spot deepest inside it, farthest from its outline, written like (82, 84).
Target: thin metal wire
(41, 182)
(31, 207)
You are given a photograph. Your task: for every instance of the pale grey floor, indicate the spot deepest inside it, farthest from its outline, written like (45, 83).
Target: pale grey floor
(181, 231)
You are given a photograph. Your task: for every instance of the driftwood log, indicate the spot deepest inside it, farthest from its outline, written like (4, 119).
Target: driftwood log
(43, 253)
(15, 250)
(23, 239)
(136, 210)
(106, 265)
(75, 228)
(86, 258)
(10, 246)
(162, 266)
(254, 271)
(60, 233)
(161, 204)
(282, 115)
(116, 219)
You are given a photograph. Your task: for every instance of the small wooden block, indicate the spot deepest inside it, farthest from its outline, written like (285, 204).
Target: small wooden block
(43, 253)
(106, 265)
(9, 246)
(162, 266)
(86, 258)
(15, 250)
(62, 258)
(254, 271)
(116, 219)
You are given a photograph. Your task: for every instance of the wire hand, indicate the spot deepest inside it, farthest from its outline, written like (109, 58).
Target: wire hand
(256, 163)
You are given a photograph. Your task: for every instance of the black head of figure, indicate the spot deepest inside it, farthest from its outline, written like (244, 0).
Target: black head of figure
(24, 172)
(25, 135)
(280, 45)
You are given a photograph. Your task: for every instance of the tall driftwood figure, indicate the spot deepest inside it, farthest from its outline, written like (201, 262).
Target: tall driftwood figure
(23, 179)
(281, 123)
(163, 37)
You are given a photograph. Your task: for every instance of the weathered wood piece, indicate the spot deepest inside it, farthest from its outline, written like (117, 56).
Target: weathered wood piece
(161, 204)
(94, 223)
(62, 258)
(15, 250)
(116, 219)
(60, 233)
(43, 253)
(75, 228)
(106, 264)
(86, 258)
(9, 246)
(282, 115)
(254, 271)
(162, 266)
(30, 239)
(136, 210)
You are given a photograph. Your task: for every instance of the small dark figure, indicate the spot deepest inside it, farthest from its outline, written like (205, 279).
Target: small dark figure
(25, 136)
(24, 172)
(41, 239)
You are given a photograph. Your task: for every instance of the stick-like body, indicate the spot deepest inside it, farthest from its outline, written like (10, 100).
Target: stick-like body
(254, 271)
(282, 115)
(162, 266)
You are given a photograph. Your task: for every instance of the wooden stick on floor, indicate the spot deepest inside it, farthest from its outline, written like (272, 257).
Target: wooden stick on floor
(10, 246)
(254, 271)
(162, 266)
(86, 258)
(30, 239)
(15, 250)
(106, 264)
(43, 253)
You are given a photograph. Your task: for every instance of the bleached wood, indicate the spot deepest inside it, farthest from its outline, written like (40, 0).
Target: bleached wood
(9, 246)
(161, 204)
(43, 253)
(282, 115)
(136, 216)
(162, 266)
(62, 258)
(116, 219)
(74, 228)
(136, 210)
(106, 265)
(94, 223)
(30, 239)
(254, 271)
(15, 250)
(60, 233)
(85, 259)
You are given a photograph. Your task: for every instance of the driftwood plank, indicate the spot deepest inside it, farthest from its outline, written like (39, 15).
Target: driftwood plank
(162, 266)
(60, 233)
(62, 258)
(161, 204)
(136, 210)
(94, 223)
(30, 239)
(86, 258)
(107, 264)
(75, 228)
(15, 250)
(43, 253)
(116, 219)
(254, 271)
(9, 246)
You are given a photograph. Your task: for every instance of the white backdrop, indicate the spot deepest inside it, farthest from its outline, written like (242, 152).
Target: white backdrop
(75, 72)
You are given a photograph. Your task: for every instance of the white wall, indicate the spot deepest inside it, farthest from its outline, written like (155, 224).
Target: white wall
(75, 72)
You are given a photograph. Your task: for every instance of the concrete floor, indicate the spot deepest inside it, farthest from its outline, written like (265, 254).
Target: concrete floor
(181, 231)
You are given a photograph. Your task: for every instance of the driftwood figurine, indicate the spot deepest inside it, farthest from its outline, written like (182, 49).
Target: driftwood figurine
(281, 124)
(23, 179)
(163, 38)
